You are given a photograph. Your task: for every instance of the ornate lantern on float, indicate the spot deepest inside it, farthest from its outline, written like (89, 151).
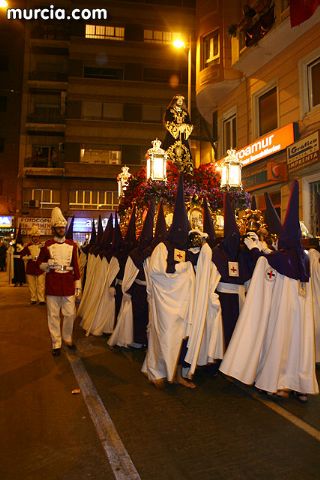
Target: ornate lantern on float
(122, 180)
(231, 171)
(156, 162)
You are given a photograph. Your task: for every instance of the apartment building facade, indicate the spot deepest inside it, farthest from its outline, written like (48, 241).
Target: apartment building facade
(94, 94)
(258, 84)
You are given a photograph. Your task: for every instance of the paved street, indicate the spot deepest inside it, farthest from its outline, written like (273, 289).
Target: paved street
(220, 430)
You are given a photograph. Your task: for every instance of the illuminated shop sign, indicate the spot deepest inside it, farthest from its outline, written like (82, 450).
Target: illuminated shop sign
(267, 145)
(6, 222)
(84, 225)
(303, 153)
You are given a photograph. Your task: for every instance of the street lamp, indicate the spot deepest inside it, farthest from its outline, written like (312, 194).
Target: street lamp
(179, 43)
(4, 4)
(156, 162)
(231, 171)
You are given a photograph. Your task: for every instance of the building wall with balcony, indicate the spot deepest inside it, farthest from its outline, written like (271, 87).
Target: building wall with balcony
(277, 76)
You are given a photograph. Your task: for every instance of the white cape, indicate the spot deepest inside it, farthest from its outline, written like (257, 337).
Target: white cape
(123, 332)
(171, 306)
(273, 344)
(206, 333)
(314, 257)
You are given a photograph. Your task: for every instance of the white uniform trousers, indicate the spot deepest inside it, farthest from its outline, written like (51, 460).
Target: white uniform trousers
(68, 309)
(36, 284)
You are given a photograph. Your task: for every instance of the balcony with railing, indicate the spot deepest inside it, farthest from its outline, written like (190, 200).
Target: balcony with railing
(48, 76)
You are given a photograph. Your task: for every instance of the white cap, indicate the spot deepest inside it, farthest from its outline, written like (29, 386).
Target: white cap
(34, 231)
(57, 219)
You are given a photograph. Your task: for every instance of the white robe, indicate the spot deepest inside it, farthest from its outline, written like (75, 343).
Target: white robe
(88, 284)
(123, 332)
(206, 331)
(314, 257)
(171, 304)
(92, 322)
(273, 344)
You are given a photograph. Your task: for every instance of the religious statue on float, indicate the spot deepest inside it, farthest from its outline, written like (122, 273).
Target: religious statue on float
(179, 128)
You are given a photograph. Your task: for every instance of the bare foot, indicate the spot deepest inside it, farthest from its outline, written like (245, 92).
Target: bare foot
(186, 383)
(159, 383)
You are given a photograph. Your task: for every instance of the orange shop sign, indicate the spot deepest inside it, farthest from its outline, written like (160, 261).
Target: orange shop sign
(271, 143)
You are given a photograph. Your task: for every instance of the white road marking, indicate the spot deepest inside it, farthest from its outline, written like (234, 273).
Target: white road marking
(119, 459)
(306, 427)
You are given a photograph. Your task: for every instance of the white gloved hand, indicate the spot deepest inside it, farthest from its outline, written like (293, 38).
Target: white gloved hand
(250, 243)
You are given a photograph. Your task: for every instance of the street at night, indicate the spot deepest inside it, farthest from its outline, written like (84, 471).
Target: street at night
(220, 430)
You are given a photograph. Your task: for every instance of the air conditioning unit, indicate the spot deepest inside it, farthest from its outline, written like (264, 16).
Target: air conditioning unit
(34, 203)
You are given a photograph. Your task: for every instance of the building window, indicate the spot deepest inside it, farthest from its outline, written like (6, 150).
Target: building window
(102, 111)
(105, 32)
(45, 156)
(158, 36)
(229, 127)
(41, 198)
(313, 69)
(152, 113)
(314, 219)
(3, 103)
(310, 82)
(4, 63)
(266, 110)
(162, 76)
(1, 145)
(93, 200)
(105, 73)
(100, 155)
(210, 48)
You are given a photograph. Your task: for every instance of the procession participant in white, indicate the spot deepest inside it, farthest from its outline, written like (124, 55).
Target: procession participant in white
(59, 258)
(235, 266)
(93, 323)
(314, 256)
(87, 274)
(84, 255)
(172, 283)
(210, 338)
(132, 321)
(107, 307)
(92, 278)
(273, 344)
(35, 276)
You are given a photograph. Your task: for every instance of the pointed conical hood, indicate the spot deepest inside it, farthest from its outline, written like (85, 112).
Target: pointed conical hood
(108, 232)
(100, 231)
(231, 241)
(146, 235)
(19, 236)
(93, 236)
(130, 237)
(290, 236)
(271, 216)
(117, 239)
(69, 234)
(253, 203)
(57, 219)
(178, 233)
(160, 233)
(208, 224)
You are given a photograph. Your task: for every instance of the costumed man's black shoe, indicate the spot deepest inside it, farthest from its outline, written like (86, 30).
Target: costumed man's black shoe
(71, 346)
(42, 303)
(33, 302)
(56, 352)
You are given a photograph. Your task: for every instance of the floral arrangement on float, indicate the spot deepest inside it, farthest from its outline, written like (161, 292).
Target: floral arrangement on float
(204, 182)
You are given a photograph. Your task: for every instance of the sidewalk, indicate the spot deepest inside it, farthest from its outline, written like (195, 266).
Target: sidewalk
(46, 432)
